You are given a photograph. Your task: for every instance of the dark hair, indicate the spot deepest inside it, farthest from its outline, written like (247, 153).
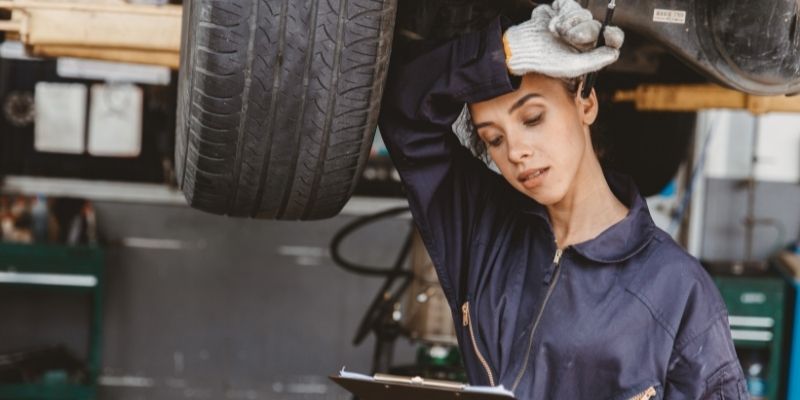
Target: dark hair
(570, 85)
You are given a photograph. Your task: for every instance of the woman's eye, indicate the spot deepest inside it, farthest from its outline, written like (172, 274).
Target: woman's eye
(495, 141)
(533, 121)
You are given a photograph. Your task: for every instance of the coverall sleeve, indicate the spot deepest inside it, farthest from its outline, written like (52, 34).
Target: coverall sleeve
(704, 364)
(446, 185)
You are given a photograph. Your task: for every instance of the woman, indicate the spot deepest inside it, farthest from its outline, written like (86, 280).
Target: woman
(560, 283)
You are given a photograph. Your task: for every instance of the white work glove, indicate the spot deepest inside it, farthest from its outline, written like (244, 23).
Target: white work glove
(559, 41)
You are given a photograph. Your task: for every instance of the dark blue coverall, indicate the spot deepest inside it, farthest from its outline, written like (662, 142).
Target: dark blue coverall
(604, 319)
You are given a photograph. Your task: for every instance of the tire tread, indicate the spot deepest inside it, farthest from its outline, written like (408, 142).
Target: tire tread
(278, 103)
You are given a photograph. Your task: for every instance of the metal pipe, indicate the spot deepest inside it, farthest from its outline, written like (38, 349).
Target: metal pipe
(588, 84)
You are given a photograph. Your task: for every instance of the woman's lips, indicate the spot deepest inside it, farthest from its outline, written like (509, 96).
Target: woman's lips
(533, 177)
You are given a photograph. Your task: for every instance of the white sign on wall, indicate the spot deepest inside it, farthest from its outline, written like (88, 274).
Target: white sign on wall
(115, 121)
(60, 122)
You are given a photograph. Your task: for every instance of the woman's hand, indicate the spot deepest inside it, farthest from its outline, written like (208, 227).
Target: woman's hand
(559, 41)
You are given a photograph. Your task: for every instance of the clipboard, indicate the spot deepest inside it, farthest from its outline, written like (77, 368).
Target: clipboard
(393, 387)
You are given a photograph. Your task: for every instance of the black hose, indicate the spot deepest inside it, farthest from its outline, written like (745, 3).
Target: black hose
(339, 237)
(381, 303)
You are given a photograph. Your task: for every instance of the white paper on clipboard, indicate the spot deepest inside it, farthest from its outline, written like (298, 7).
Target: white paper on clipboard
(395, 384)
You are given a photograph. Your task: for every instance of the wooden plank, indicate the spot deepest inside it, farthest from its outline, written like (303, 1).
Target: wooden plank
(111, 30)
(101, 25)
(161, 58)
(122, 7)
(135, 33)
(689, 98)
(10, 26)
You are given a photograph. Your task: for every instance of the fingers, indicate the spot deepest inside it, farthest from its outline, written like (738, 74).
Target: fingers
(574, 24)
(542, 15)
(566, 6)
(559, 41)
(565, 21)
(567, 14)
(572, 65)
(614, 37)
(582, 36)
(600, 57)
(578, 64)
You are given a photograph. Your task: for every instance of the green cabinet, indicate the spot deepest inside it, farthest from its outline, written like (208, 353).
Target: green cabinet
(756, 316)
(74, 269)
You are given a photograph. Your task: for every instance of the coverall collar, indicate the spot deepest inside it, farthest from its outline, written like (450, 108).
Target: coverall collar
(621, 240)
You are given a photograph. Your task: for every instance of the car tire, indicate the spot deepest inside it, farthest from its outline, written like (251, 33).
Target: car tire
(278, 103)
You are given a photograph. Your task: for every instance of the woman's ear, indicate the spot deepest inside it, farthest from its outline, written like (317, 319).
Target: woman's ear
(587, 108)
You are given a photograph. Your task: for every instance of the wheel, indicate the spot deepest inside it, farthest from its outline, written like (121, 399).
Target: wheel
(278, 103)
(751, 49)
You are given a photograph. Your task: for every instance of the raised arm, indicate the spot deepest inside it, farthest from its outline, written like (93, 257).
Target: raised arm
(449, 190)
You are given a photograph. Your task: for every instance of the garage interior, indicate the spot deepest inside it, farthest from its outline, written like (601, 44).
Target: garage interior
(113, 287)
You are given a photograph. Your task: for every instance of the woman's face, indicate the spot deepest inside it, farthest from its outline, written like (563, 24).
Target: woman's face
(538, 136)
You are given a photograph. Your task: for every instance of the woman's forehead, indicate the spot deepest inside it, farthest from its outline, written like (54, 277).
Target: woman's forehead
(533, 86)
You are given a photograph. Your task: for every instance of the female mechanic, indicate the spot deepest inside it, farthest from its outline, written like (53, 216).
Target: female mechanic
(560, 284)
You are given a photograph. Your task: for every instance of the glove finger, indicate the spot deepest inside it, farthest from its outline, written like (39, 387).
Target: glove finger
(541, 16)
(614, 37)
(579, 64)
(564, 7)
(573, 65)
(600, 57)
(583, 36)
(565, 21)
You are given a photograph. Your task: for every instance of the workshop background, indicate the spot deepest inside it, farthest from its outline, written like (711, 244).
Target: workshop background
(112, 287)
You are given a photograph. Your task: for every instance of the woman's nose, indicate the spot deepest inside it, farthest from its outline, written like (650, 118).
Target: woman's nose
(518, 149)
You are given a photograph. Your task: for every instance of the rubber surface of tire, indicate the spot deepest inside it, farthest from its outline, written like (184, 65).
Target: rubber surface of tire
(278, 103)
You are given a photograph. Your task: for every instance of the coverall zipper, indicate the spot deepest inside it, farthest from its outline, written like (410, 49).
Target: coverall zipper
(646, 395)
(557, 266)
(465, 318)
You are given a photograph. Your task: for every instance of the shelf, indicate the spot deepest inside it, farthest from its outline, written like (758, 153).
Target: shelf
(92, 190)
(749, 344)
(47, 392)
(149, 193)
(56, 267)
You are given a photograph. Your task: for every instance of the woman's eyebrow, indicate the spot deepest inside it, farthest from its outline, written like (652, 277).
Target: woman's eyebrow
(483, 125)
(519, 103)
(522, 101)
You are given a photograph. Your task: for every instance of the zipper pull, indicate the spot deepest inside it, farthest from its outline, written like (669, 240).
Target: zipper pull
(465, 313)
(557, 257)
